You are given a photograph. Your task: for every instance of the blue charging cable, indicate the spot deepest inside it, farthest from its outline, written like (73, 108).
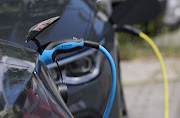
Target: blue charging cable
(59, 47)
(113, 82)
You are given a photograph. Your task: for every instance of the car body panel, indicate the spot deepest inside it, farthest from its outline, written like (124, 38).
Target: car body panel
(22, 92)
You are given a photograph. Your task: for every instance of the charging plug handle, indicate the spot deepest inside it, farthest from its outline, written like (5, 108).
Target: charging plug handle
(59, 47)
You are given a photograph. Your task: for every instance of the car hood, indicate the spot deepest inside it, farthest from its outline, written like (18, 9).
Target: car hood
(16, 28)
(16, 66)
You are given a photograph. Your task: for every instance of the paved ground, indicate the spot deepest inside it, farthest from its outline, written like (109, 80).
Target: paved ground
(143, 87)
(168, 39)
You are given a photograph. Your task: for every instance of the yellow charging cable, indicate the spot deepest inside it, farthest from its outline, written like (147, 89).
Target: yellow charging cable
(137, 32)
(158, 54)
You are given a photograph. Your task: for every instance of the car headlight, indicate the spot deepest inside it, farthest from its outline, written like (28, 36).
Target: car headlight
(79, 68)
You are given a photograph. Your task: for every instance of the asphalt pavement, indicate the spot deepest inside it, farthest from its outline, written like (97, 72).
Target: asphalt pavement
(143, 87)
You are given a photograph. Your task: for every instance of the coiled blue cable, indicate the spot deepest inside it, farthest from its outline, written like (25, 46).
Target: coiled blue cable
(113, 83)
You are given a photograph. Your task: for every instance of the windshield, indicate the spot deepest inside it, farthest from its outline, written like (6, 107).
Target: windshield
(18, 16)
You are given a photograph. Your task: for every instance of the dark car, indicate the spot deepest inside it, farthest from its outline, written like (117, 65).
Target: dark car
(86, 72)
(27, 90)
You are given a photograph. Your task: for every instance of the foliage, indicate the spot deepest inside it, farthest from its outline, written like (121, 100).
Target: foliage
(134, 47)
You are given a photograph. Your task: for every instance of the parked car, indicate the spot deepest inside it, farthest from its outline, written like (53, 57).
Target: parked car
(86, 72)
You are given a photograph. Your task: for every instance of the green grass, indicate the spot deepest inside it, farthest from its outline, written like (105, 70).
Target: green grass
(134, 47)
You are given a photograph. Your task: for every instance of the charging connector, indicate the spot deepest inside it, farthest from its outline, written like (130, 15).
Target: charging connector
(59, 47)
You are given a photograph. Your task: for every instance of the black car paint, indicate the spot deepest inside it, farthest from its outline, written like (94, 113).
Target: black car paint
(78, 18)
(23, 92)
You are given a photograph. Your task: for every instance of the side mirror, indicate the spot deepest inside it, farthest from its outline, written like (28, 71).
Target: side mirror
(37, 29)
